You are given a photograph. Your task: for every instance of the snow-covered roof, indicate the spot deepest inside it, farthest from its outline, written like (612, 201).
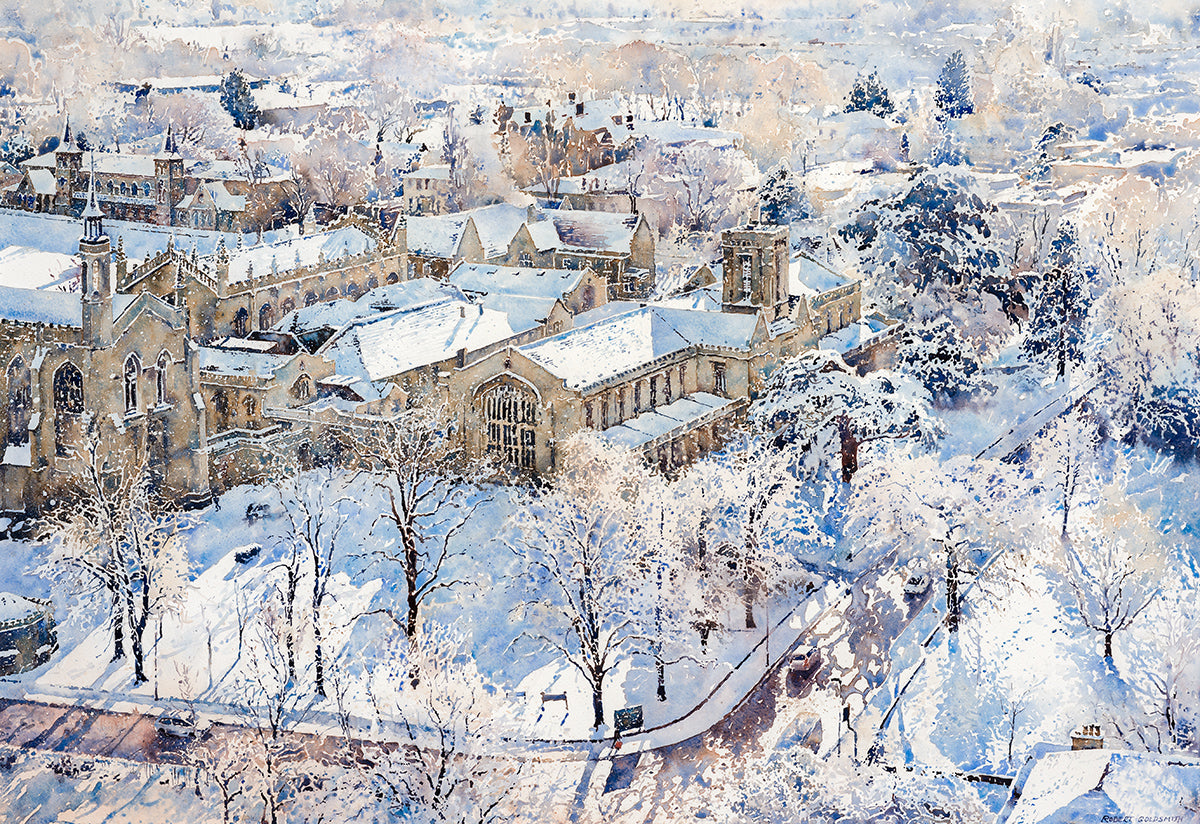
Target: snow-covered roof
(435, 235)
(218, 195)
(606, 311)
(106, 163)
(240, 362)
(429, 173)
(706, 299)
(27, 268)
(855, 335)
(594, 231)
(524, 312)
(496, 226)
(544, 235)
(60, 233)
(585, 356)
(307, 250)
(680, 414)
(39, 306)
(232, 170)
(334, 314)
(809, 278)
(515, 280)
(394, 343)
(1106, 785)
(43, 181)
(675, 133)
(16, 607)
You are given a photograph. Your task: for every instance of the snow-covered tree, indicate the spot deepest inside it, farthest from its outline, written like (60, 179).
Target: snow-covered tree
(1113, 559)
(117, 540)
(1058, 322)
(869, 95)
(315, 508)
(453, 763)
(1148, 336)
(708, 188)
(430, 497)
(238, 100)
(933, 352)
(953, 95)
(780, 200)
(818, 406)
(581, 572)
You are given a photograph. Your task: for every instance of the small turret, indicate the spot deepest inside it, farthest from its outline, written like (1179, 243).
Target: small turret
(95, 250)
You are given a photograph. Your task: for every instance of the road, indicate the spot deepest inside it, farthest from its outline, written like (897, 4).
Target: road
(855, 646)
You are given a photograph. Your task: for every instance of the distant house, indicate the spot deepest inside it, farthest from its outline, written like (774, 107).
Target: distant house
(426, 191)
(160, 188)
(1058, 786)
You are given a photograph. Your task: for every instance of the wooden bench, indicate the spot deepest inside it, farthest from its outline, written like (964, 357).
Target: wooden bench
(555, 696)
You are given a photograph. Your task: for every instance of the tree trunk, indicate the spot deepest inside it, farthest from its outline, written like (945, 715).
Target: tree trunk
(318, 656)
(748, 601)
(850, 444)
(411, 568)
(1108, 639)
(118, 622)
(597, 706)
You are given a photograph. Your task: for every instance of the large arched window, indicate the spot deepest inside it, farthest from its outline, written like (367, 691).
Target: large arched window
(289, 306)
(302, 388)
(310, 298)
(241, 322)
(266, 317)
(510, 420)
(160, 377)
(68, 407)
(20, 401)
(132, 367)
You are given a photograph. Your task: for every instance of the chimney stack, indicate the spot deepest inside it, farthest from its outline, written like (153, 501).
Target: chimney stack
(579, 108)
(1087, 737)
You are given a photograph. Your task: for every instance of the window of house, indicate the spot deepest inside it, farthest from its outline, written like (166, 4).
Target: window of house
(653, 391)
(525, 259)
(220, 402)
(132, 367)
(620, 404)
(746, 277)
(310, 298)
(637, 397)
(666, 387)
(160, 378)
(20, 401)
(604, 412)
(588, 420)
(412, 269)
(302, 388)
(719, 379)
(250, 405)
(393, 277)
(510, 421)
(241, 322)
(682, 379)
(289, 306)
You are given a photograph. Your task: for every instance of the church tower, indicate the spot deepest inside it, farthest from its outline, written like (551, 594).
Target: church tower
(755, 267)
(68, 159)
(168, 181)
(95, 250)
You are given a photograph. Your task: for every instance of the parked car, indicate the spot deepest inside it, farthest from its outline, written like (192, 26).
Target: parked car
(176, 725)
(805, 659)
(916, 582)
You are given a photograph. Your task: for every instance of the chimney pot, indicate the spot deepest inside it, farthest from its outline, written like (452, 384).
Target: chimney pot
(578, 108)
(528, 117)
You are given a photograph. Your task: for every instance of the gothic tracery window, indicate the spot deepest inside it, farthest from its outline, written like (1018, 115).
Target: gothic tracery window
(132, 367)
(510, 418)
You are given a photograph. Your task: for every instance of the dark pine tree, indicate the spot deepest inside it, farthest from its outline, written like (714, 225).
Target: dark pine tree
(237, 99)
(1056, 324)
(780, 200)
(869, 95)
(953, 94)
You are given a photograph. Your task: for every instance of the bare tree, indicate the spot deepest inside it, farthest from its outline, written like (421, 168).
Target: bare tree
(1112, 563)
(581, 571)
(315, 508)
(452, 763)
(223, 761)
(118, 538)
(430, 498)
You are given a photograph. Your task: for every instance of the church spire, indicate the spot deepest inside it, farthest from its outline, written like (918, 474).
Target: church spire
(66, 138)
(93, 218)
